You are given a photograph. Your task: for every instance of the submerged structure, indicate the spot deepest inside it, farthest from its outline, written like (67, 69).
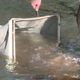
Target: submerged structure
(46, 26)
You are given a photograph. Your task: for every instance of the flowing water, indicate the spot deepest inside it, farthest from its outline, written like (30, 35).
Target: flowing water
(39, 59)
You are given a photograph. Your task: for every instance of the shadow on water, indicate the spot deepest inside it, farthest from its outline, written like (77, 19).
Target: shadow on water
(50, 30)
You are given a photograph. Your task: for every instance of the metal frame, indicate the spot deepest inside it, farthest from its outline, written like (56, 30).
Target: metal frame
(12, 22)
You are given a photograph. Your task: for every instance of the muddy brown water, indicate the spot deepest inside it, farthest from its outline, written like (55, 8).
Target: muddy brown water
(38, 58)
